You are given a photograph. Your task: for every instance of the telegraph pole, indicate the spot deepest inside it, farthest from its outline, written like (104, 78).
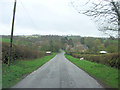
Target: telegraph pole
(11, 37)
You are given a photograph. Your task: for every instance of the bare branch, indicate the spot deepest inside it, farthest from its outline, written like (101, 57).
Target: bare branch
(104, 12)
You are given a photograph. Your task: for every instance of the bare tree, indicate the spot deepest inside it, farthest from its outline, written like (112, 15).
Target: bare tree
(106, 14)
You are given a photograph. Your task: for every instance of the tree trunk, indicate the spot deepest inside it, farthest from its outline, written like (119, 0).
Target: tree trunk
(118, 15)
(118, 23)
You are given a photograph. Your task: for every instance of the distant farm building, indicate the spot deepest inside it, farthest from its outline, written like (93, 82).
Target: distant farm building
(48, 52)
(103, 52)
(81, 58)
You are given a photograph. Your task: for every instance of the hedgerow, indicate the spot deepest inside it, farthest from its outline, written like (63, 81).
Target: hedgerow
(111, 59)
(19, 52)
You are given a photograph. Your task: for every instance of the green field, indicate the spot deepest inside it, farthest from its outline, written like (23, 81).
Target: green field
(4, 39)
(16, 41)
(15, 72)
(112, 41)
(108, 75)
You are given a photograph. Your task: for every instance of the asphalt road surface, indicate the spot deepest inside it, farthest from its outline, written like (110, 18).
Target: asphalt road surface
(58, 73)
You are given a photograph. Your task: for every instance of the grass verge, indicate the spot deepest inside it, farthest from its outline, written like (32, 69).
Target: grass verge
(14, 73)
(108, 75)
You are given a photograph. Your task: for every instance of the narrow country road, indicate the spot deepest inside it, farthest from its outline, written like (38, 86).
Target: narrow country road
(58, 73)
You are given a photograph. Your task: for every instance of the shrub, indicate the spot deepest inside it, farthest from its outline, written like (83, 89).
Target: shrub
(111, 59)
(19, 52)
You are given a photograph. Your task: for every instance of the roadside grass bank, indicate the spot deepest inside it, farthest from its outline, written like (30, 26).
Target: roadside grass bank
(106, 74)
(15, 72)
(109, 59)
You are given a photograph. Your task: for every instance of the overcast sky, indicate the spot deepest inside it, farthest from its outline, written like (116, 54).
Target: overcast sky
(44, 17)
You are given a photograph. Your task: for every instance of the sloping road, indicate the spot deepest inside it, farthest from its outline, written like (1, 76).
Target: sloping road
(58, 73)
